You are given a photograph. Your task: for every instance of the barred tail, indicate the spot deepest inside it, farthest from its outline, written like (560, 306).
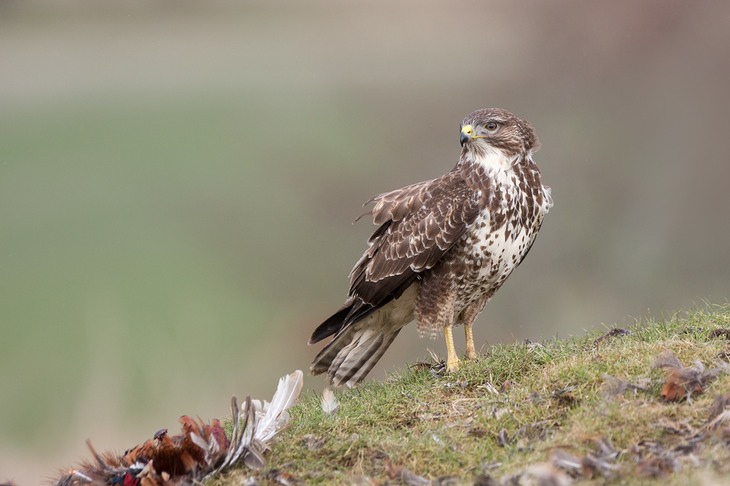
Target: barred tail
(353, 353)
(362, 334)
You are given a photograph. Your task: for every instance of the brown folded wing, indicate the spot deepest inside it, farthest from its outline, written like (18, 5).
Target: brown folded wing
(418, 225)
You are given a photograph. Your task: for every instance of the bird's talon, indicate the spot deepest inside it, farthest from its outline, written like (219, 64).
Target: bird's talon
(452, 366)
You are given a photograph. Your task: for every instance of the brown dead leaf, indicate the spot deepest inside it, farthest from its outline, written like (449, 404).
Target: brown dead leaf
(599, 463)
(485, 480)
(653, 459)
(545, 474)
(656, 467)
(718, 420)
(564, 397)
(506, 386)
(720, 333)
(613, 386)
(502, 438)
(312, 442)
(679, 384)
(402, 474)
(682, 382)
(615, 332)
(677, 427)
(277, 476)
(477, 432)
(720, 405)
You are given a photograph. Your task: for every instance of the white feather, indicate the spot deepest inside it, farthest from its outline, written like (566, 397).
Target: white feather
(271, 417)
(256, 422)
(329, 402)
(492, 159)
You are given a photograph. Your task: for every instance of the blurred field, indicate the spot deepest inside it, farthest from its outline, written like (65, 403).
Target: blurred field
(178, 182)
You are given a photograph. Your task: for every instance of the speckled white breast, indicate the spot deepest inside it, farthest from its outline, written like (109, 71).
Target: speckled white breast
(494, 252)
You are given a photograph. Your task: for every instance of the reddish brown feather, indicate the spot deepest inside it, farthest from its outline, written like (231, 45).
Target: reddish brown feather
(199, 452)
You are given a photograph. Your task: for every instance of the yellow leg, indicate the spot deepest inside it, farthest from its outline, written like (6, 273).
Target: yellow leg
(452, 360)
(467, 317)
(471, 352)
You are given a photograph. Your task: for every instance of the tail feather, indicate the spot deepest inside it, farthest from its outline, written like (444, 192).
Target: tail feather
(359, 355)
(354, 310)
(331, 326)
(362, 333)
(352, 354)
(364, 368)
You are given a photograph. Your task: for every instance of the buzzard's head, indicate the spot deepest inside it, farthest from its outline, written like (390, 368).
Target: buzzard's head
(494, 128)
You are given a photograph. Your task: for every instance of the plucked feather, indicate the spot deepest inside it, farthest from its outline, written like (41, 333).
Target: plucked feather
(329, 402)
(272, 416)
(200, 452)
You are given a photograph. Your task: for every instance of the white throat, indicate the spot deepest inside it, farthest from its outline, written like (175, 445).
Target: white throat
(492, 159)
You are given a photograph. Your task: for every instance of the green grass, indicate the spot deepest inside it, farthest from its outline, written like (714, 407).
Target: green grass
(548, 399)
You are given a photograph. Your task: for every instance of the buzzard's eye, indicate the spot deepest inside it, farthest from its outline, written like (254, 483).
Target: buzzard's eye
(491, 126)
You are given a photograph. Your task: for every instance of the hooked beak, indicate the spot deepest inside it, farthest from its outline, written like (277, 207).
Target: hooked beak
(467, 133)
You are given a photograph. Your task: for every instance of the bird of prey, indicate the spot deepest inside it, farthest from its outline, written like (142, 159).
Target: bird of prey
(443, 247)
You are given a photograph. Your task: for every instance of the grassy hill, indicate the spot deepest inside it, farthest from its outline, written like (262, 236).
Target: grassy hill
(614, 406)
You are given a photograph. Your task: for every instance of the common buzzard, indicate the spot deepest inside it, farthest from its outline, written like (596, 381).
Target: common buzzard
(443, 247)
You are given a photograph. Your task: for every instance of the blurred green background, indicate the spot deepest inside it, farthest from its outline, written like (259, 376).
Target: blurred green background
(178, 181)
